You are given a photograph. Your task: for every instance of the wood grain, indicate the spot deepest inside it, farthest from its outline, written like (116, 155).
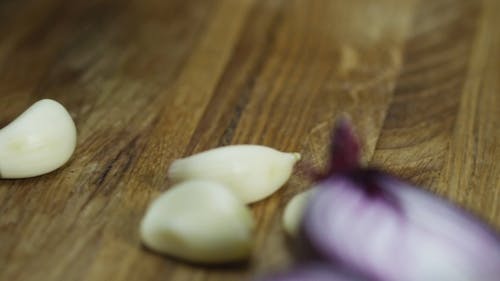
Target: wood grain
(150, 81)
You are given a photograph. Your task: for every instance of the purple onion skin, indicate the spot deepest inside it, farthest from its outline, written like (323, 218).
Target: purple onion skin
(374, 224)
(312, 272)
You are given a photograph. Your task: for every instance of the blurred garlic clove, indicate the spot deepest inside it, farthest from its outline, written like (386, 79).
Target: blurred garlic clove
(199, 221)
(37, 142)
(252, 172)
(294, 212)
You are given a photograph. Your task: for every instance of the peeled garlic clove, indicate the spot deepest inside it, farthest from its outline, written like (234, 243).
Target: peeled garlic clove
(294, 212)
(39, 141)
(252, 172)
(199, 221)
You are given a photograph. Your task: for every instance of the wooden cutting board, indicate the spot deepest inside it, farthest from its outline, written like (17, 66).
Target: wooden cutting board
(149, 81)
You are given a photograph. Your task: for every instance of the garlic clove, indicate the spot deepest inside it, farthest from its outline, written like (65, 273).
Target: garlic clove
(252, 172)
(199, 221)
(294, 212)
(39, 141)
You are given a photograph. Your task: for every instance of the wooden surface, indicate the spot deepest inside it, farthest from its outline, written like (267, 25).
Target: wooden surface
(148, 81)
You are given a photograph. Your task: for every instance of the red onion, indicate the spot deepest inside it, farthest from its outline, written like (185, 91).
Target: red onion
(376, 225)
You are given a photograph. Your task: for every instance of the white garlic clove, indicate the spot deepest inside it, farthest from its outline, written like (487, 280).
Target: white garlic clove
(294, 212)
(199, 221)
(37, 142)
(252, 172)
